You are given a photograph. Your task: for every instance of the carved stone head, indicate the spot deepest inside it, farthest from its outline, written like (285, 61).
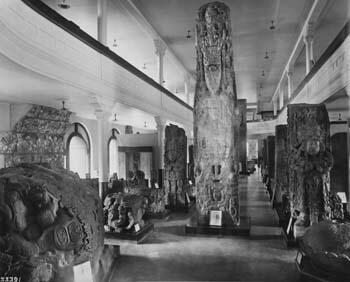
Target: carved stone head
(212, 35)
(210, 14)
(313, 146)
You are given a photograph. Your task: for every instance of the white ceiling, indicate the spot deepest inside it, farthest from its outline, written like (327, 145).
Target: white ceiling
(251, 36)
(171, 19)
(27, 87)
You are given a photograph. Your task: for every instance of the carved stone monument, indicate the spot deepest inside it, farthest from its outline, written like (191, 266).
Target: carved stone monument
(271, 156)
(215, 117)
(310, 161)
(242, 146)
(123, 211)
(175, 158)
(49, 221)
(37, 137)
(281, 163)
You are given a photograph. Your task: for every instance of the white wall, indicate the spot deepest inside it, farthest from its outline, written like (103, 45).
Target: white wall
(5, 118)
(336, 128)
(137, 140)
(129, 140)
(4, 125)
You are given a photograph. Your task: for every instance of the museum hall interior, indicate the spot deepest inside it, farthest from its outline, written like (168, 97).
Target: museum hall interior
(174, 140)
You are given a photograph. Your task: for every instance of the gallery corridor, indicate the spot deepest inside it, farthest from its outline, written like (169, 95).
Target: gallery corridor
(170, 255)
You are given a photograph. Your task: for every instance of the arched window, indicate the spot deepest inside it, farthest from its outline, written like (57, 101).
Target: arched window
(78, 150)
(113, 153)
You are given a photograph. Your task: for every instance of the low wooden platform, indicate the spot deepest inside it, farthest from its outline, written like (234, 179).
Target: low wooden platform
(242, 230)
(114, 238)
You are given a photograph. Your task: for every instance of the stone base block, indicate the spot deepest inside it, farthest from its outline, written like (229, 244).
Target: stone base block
(114, 238)
(193, 228)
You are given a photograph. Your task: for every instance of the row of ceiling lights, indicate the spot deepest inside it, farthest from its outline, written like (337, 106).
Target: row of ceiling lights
(115, 120)
(266, 57)
(64, 5)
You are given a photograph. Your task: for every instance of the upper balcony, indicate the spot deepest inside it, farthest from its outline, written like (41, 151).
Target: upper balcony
(55, 60)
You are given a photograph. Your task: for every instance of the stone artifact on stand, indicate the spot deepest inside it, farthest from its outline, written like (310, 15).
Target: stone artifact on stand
(281, 201)
(50, 221)
(127, 213)
(123, 211)
(154, 196)
(215, 122)
(310, 161)
(175, 158)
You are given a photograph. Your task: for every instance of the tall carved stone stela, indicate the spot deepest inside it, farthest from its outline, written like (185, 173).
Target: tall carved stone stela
(215, 122)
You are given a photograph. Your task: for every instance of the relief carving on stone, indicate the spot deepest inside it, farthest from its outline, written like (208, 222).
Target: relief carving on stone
(215, 117)
(175, 158)
(214, 48)
(49, 219)
(310, 161)
(281, 166)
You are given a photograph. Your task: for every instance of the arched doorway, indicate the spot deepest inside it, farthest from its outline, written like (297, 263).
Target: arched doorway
(78, 151)
(113, 160)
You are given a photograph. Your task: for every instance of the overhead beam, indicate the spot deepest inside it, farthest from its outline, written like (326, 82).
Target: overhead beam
(134, 11)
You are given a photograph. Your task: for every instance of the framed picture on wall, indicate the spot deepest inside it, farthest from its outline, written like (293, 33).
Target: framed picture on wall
(215, 218)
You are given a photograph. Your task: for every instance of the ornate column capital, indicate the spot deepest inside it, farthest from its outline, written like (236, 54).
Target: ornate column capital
(160, 122)
(189, 131)
(160, 47)
(101, 115)
(309, 33)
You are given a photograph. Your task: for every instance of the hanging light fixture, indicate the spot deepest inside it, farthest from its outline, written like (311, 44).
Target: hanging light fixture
(266, 55)
(145, 125)
(115, 43)
(63, 107)
(339, 118)
(144, 66)
(63, 5)
(115, 118)
(263, 73)
(188, 36)
(272, 26)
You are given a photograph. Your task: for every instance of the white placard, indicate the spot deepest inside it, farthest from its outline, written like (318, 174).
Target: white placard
(156, 185)
(299, 257)
(188, 198)
(215, 218)
(82, 272)
(137, 227)
(289, 225)
(190, 182)
(342, 197)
